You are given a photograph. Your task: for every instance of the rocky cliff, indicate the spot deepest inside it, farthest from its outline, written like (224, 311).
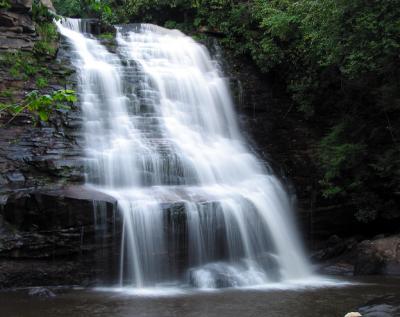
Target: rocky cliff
(17, 30)
(48, 228)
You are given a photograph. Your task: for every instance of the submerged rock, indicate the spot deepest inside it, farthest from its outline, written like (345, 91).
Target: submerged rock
(223, 275)
(385, 306)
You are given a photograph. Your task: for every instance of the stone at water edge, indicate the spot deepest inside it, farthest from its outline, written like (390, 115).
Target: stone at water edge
(353, 314)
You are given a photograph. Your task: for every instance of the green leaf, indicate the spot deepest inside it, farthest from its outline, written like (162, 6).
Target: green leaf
(43, 115)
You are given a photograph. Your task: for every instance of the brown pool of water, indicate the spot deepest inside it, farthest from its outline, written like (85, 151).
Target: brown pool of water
(329, 301)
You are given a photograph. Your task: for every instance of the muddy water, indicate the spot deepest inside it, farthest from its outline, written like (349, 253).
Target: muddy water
(307, 302)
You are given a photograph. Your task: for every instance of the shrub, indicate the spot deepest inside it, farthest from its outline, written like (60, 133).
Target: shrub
(40, 106)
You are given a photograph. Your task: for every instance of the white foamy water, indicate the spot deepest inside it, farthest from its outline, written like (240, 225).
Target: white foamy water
(199, 208)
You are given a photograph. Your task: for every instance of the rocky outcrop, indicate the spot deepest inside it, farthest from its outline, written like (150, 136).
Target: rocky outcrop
(17, 30)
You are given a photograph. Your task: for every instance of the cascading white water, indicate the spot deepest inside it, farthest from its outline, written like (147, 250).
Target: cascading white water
(162, 137)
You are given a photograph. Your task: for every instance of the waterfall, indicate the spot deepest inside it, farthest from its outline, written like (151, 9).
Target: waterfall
(198, 207)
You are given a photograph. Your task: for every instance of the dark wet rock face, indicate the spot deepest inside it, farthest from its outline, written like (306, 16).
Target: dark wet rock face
(38, 156)
(72, 236)
(47, 231)
(52, 238)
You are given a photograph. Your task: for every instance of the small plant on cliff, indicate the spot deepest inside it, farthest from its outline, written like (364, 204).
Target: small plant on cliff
(41, 82)
(48, 38)
(40, 106)
(47, 44)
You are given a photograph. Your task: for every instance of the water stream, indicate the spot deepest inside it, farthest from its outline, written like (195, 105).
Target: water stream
(199, 208)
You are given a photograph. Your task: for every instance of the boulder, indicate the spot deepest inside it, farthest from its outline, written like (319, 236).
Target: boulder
(379, 256)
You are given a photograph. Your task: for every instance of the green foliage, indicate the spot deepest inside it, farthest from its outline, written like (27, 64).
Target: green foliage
(149, 10)
(41, 13)
(355, 38)
(387, 167)
(106, 36)
(20, 65)
(68, 8)
(170, 24)
(40, 106)
(101, 9)
(337, 158)
(5, 4)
